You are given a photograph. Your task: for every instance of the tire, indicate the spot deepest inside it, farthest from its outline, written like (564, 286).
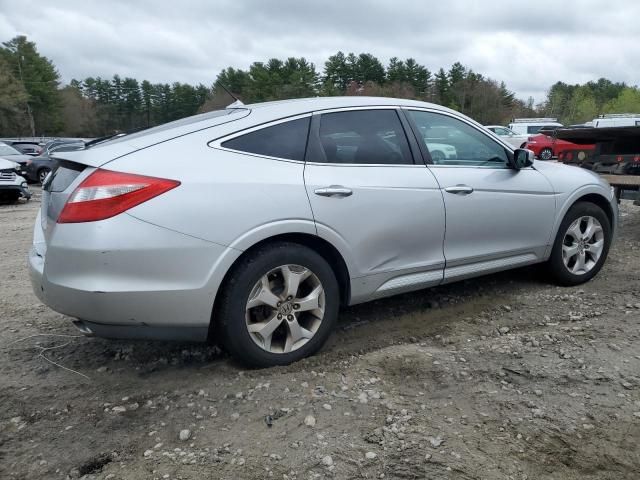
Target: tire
(9, 196)
(42, 174)
(245, 286)
(570, 274)
(546, 154)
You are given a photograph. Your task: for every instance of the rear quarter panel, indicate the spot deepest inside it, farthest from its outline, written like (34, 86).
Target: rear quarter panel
(227, 198)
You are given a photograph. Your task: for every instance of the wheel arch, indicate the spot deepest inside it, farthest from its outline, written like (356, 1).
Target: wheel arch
(600, 201)
(321, 246)
(590, 195)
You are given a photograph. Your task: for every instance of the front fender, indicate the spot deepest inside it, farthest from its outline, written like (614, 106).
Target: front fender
(566, 201)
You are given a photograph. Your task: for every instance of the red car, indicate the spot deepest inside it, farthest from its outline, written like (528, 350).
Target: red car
(546, 147)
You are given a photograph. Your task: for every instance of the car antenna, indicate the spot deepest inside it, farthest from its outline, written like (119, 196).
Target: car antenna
(237, 103)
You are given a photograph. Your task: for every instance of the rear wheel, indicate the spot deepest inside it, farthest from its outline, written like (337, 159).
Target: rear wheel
(581, 245)
(279, 305)
(546, 154)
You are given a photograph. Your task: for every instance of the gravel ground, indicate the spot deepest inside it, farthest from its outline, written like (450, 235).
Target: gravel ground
(499, 377)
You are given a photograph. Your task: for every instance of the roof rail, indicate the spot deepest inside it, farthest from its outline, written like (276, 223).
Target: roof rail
(619, 115)
(530, 120)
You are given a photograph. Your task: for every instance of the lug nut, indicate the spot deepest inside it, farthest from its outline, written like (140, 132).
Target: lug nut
(279, 317)
(290, 317)
(279, 303)
(296, 306)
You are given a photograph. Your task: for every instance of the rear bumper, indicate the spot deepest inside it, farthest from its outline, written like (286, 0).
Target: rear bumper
(125, 278)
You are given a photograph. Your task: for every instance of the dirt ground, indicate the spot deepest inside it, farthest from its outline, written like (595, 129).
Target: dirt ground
(502, 377)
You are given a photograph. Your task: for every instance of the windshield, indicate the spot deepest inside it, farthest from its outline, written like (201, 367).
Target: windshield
(7, 150)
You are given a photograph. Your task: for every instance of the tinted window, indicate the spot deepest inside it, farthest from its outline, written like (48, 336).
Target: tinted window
(453, 142)
(364, 137)
(284, 140)
(534, 129)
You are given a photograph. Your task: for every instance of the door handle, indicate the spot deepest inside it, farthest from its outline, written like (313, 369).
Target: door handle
(333, 191)
(459, 189)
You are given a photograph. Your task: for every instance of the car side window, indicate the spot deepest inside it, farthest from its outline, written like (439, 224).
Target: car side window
(503, 132)
(453, 142)
(286, 140)
(374, 137)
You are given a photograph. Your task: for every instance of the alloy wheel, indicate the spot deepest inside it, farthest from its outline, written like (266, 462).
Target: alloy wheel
(42, 175)
(583, 245)
(285, 308)
(546, 154)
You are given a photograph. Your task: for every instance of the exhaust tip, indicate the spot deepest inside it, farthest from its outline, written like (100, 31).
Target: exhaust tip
(83, 327)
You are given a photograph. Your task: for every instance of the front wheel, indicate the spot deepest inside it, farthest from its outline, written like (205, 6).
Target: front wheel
(546, 154)
(42, 174)
(581, 245)
(279, 305)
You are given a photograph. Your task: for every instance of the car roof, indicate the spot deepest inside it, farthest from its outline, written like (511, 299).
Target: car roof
(303, 105)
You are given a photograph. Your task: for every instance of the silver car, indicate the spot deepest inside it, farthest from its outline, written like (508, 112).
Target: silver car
(252, 225)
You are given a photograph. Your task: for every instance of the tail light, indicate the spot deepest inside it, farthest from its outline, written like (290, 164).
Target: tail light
(561, 156)
(636, 158)
(620, 159)
(569, 156)
(105, 194)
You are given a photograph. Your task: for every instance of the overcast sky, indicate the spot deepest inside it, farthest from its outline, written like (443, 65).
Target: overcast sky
(528, 44)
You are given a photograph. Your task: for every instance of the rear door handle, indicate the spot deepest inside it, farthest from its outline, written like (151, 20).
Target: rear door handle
(459, 189)
(333, 191)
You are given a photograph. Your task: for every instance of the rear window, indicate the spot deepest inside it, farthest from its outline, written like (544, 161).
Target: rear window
(286, 140)
(7, 150)
(534, 129)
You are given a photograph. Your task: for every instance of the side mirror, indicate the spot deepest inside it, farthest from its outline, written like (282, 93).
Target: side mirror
(522, 158)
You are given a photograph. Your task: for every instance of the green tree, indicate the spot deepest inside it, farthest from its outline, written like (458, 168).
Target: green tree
(337, 73)
(40, 81)
(13, 102)
(78, 112)
(628, 101)
(442, 87)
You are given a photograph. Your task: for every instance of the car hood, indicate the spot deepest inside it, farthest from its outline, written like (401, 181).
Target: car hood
(17, 158)
(6, 164)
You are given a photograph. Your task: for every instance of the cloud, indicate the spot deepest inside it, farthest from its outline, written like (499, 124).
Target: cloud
(529, 45)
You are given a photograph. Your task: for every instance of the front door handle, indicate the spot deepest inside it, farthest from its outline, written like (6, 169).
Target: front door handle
(333, 191)
(459, 189)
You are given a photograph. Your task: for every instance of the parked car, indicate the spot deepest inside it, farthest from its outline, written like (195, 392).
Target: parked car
(509, 136)
(296, 208)
(62, 144)
(9, 153)
(26, 148)
(12, 185)
(36, 169)
(546, 147)
(531, 126)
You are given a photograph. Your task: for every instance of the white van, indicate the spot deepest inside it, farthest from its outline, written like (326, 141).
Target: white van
(531, 126)
(617, 120)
